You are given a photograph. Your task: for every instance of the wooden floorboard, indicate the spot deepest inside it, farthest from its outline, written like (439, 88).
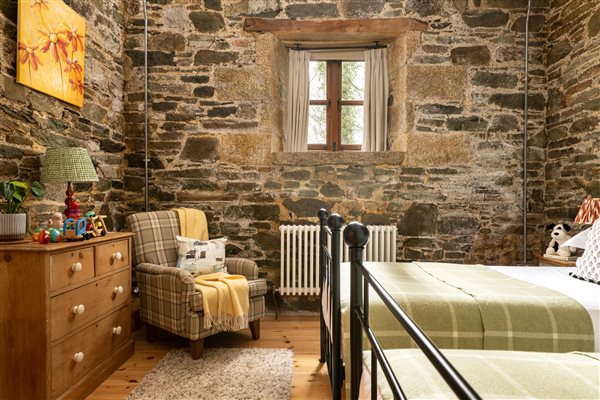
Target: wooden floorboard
(298, 333)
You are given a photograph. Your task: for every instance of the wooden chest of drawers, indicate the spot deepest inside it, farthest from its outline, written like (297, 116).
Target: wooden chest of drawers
(65, 319)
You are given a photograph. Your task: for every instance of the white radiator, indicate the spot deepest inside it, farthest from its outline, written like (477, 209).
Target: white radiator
(300, 255)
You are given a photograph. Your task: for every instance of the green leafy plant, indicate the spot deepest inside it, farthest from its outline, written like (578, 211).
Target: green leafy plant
(15, 193)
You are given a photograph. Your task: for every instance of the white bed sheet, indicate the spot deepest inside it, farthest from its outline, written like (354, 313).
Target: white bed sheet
(557, 278)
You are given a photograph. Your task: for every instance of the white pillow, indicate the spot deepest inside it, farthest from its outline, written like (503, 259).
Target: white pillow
(201, 257)
(588, 265)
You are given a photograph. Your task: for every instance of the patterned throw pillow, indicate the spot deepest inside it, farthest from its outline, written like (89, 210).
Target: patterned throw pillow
(201, 257)
(588, 265)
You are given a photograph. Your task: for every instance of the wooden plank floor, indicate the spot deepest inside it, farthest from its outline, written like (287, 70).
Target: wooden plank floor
(298, 333)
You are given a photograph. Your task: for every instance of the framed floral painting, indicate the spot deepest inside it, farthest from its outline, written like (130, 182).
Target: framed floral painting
(51, 49)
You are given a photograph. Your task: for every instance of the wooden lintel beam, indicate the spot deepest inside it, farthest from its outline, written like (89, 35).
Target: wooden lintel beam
(386, 26)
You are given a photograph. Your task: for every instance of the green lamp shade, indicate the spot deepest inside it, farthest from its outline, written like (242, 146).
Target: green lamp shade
(68, 164)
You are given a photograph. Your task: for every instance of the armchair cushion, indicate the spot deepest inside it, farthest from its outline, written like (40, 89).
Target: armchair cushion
(154, 237)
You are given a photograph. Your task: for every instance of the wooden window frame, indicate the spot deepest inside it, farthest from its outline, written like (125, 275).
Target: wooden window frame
(334, 103)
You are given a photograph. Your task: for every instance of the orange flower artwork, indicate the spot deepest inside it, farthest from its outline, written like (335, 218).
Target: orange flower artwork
(28, 56)
(51, 44)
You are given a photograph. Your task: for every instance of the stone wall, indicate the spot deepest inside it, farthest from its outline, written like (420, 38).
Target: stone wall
(573, 167)
(216, 97)
(31, 121)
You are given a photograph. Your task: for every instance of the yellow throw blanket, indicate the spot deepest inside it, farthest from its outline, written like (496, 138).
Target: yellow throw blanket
(192, 223)
(225, 301)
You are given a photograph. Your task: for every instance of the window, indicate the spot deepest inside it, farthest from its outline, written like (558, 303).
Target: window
(336, 105)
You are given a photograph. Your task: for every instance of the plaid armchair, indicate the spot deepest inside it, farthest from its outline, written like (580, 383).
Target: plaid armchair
(168, 299)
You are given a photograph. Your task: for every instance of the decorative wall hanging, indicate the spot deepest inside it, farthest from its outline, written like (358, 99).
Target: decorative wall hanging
(51, 49)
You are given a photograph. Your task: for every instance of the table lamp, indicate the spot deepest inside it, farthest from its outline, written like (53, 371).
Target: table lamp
(589, 211)
(68, 164)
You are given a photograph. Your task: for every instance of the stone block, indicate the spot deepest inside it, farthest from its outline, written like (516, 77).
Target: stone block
(559, 51)
(331, 190)
(494, 80)
(207, 22)
(458, 225)
(236, 84)
(361, 8)
(201, 148)
(516, 101)
(470, 55)
(594, 24)
(473, 123)
(245, 148)
(429, 149)
(419, 219)
(536, 23)
(485, 18)
(209, 57)
(306, 207)
(425, 8)
(167, 40)
(253, 8)
(439, 82)
(305, 11)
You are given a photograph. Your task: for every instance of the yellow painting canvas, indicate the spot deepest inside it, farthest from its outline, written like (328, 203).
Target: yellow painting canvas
(51, 49)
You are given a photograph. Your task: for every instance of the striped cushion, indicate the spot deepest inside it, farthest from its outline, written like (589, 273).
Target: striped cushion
(154, 237)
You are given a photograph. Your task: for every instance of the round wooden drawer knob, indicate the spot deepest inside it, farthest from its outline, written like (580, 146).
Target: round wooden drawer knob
(117, 330)
(78, 357)
(118, 290)
(118, 256)
(78, 310)
(77, 267)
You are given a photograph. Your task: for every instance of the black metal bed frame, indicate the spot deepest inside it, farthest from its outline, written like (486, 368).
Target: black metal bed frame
(356, 237)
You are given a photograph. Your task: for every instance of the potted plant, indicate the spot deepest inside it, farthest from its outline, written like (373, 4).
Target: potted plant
(13, 219)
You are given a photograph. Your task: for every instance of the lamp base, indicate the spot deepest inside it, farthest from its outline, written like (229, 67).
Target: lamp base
(72, 210)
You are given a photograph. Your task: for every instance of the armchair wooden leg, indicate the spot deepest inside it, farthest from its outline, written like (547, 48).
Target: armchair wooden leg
(255, 329)
(151, 333)
(196, 348)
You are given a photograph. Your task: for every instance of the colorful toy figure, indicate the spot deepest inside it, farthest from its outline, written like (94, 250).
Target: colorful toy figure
(44, 237)
(95, 225)
(56, 221)
(74, 229)
(55, 235)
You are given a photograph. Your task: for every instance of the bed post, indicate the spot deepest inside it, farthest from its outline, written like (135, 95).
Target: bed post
(322, 243)
(356, 236)
(335, 223)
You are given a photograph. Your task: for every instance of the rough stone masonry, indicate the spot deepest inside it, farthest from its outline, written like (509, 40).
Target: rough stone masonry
(453, 184)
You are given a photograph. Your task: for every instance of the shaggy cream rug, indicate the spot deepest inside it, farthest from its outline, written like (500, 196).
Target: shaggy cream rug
(222, 374)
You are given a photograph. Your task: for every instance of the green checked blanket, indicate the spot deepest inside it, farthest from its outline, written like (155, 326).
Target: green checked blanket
(470, 307)
(495, 374)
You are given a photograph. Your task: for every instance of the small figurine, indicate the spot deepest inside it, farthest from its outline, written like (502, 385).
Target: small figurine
(44, 236)
(56, 221)
(95, 225)
(55, 235)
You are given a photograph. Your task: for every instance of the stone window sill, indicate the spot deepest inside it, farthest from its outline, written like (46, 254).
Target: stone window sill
(338, 157)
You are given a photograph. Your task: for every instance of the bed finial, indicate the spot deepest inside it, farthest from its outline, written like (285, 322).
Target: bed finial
(335, 222)
(322, 214)
(356, 235)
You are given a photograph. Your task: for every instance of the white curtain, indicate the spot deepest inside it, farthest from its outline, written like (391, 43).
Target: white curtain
(296, 125)
(376, 98)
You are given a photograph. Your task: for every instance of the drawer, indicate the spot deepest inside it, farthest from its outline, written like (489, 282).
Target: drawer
(111, 256)
(92, 300)
(95, 343)
(71, 267)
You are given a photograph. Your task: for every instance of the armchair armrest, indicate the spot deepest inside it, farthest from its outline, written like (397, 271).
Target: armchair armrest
(242, 266)
(167, 294)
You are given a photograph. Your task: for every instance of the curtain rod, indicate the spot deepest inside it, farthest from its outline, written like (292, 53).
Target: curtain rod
(377, 45)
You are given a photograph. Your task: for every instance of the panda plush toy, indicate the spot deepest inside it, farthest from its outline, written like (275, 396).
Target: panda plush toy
(558, 236)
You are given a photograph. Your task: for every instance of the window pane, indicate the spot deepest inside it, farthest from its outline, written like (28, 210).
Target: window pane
(317, 124)
(352, 124)
(318, 80)
(353, 80)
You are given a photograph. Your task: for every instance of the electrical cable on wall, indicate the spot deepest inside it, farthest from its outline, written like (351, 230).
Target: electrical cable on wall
(146, 160)
(526, 133)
